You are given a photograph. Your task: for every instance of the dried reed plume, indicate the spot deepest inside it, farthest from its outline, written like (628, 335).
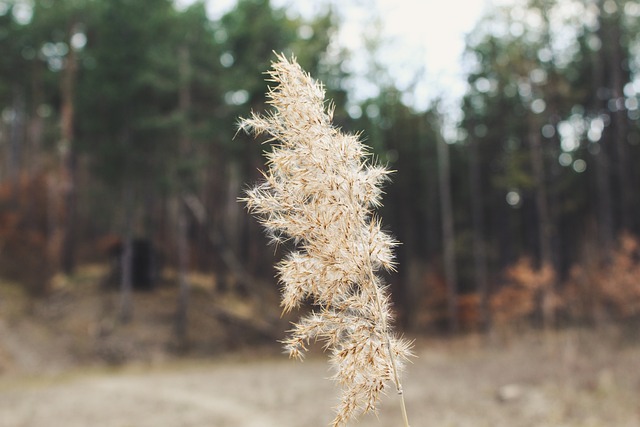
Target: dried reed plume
(319, 192)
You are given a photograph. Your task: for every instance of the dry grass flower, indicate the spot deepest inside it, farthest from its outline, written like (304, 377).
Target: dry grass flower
(320, 191)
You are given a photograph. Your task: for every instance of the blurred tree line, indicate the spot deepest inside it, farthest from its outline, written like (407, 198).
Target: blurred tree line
(119, 119)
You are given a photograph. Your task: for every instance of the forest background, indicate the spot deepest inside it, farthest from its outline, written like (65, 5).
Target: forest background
(119, 149)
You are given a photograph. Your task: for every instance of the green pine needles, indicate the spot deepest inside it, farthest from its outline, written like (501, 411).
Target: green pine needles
(320, 191)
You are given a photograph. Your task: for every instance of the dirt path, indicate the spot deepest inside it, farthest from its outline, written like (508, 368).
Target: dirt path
(228, 394)
(518, 386)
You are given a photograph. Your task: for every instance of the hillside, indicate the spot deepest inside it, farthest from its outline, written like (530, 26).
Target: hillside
(76, 324)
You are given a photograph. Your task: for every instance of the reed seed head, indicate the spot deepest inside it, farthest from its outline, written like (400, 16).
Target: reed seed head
(320, 190)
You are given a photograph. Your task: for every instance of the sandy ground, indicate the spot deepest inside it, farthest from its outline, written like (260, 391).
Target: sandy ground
(562, 380)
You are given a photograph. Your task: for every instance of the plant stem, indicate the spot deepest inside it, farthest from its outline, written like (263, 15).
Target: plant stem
(392, 358)
(404, 409)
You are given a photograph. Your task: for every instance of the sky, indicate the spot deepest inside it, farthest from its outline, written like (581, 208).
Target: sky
(423, 42)
(426, 43)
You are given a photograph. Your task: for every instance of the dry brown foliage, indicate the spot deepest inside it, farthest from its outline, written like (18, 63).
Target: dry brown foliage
(29, 244)
(619, 286)
(469, 311)
(609, 290)
(433, 313)
(526, 291)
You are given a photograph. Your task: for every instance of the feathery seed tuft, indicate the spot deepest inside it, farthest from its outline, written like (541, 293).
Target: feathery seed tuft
(320, 191)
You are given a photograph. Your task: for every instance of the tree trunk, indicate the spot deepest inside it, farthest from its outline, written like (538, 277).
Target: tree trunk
(606, 227)
(126, 258)
(545, 226)
(16, 138)
(448, 236)
(233, 214)
(68, 160)
(182, 243)
(36, 159)
(182, 311)
(620, 125)
(479, 250)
